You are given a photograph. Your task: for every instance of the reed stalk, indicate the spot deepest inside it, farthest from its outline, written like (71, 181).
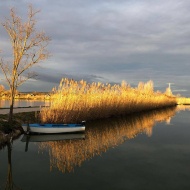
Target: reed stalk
(75, 101)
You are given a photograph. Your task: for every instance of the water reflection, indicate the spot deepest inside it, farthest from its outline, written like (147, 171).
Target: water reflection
(24, 103)
(183, 108)
(167, 162)
(100, 136)
(50, 137)
(10, 185)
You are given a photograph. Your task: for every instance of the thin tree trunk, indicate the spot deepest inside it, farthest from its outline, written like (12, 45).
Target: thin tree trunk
(11, 114)
(11, 108)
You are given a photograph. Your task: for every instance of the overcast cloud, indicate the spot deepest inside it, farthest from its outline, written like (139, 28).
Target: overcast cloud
(110, 41)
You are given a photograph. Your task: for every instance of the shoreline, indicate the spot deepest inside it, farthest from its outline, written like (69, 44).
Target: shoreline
(21, 109)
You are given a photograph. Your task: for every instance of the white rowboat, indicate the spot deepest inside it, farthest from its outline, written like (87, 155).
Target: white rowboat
(53, 128)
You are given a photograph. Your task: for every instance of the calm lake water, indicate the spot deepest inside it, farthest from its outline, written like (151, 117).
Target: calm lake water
(145, 151)
(24, 103)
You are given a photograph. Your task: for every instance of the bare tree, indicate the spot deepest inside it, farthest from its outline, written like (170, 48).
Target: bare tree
(29, 47)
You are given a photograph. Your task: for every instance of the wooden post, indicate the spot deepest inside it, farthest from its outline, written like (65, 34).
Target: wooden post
(28, 129)
(27, 142)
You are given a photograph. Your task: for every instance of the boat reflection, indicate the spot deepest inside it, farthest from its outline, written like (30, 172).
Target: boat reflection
(102, 135)
(50, 137)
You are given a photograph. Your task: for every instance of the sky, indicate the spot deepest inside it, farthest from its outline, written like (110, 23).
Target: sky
(109, 41)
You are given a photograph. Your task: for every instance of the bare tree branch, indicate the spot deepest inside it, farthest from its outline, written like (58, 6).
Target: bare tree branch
(29, 47)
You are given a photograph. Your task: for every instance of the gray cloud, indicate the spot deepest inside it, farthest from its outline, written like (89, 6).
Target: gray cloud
(110, 40)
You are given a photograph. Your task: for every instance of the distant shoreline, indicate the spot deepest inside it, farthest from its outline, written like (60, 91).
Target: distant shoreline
(27, 96)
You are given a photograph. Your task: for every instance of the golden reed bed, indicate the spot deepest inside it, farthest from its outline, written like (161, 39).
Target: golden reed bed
(75, 101)
(183, 101)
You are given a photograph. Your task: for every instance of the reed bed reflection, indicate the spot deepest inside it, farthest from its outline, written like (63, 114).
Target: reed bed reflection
(183, 107)
(100, 136)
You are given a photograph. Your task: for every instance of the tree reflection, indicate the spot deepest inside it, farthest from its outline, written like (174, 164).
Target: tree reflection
(9, 182)
(100, 136)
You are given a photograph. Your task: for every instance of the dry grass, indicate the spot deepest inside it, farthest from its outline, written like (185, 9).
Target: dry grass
(75, 101)
(183, 101)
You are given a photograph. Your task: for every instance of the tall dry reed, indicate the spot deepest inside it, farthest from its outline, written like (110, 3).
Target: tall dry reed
(183, 101)
(75, 101)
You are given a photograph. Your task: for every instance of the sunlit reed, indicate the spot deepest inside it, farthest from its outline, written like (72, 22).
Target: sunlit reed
(183, 101)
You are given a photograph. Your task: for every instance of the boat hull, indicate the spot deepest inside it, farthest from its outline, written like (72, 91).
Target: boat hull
(53, 128)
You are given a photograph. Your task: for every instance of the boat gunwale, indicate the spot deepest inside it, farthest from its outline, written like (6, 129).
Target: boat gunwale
(37, 125)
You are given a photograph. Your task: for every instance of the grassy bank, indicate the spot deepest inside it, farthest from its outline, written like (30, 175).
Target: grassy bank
(74, 101)
(14, 130)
